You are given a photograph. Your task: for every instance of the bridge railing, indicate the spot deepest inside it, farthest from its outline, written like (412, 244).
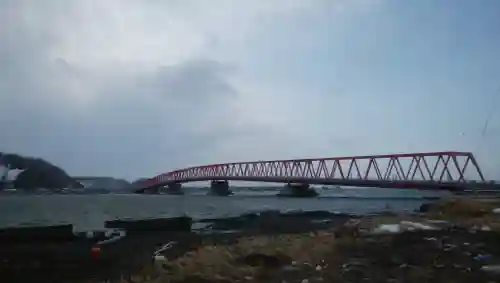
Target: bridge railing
(432, 166)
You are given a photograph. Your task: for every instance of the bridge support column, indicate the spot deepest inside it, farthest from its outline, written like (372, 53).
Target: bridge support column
(297, 190)
(220, 188)
(151, 191)
(174, 189)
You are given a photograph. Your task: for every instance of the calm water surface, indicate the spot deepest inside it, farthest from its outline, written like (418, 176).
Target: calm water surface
(90, 211)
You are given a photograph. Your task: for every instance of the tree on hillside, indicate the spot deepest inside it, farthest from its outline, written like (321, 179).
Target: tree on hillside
(38, 173)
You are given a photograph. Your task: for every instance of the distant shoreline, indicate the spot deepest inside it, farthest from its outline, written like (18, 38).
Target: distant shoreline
(106, 192)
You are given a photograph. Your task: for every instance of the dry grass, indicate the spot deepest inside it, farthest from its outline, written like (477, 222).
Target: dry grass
(461, 211)
(467, 211)
(463, 207)
(218, 262)
(221, 263)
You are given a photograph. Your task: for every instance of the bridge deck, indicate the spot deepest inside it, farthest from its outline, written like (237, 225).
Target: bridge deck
(395, 184)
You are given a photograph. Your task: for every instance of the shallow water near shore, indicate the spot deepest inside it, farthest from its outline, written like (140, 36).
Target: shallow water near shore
(88, 212)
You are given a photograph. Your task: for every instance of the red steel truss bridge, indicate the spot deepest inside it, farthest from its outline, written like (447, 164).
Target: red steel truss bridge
(448, 170)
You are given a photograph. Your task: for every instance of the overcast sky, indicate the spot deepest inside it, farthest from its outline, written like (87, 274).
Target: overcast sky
(131, 88)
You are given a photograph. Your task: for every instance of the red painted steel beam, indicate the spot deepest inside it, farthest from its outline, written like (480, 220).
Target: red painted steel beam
(444, 167)
(455, 153)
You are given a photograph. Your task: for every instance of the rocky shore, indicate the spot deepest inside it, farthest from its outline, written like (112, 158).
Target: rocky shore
(447, 241)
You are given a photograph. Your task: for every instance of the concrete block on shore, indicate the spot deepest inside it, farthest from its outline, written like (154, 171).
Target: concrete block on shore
(176, 224)
(40, 233)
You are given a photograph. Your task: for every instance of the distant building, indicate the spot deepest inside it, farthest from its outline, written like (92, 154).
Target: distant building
(8, 176)
(3, 177)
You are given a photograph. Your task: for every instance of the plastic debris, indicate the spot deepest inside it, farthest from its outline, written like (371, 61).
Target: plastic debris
(491, 268)
(485, 228)
(388, 228)
(417, 225)
(159, 258)
(403, 226)
(496, 210)
(475, 228)
(165, 247)
(441, 224)
(113, 237)
(482, 257)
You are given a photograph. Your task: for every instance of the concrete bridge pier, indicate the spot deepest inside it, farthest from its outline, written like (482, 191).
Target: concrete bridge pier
(151, 191)
(174, 189)
(220, 188)
(297, 190)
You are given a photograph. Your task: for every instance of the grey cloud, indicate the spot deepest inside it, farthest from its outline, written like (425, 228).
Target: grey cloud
(63, 98)
(136, 124)
(192, 84)
(195, 77)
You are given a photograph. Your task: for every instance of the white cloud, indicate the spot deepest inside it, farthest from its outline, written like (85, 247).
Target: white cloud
(132, 88)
